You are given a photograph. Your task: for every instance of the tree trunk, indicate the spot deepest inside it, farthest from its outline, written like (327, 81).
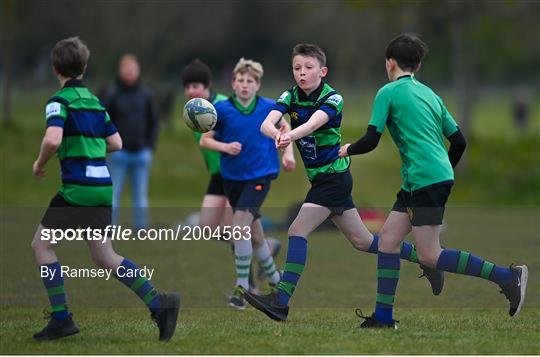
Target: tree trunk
(8, 10)
(462, 73)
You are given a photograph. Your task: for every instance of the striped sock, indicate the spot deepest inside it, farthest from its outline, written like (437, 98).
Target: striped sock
(242, 258)
(387, 280)
(461, 262)
(55, 291)
(408, 250)
(264, 256)
(294, 266)
(140, 285)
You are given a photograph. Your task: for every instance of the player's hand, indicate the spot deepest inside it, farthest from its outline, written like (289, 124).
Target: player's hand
(38, 170)
(288, 161)
(277, 136)
(284, 140)
(234, 148)
(343, 150)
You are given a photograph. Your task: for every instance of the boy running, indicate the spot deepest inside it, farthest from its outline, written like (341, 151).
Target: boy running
(417, 120)
(249, 162)
(80, 131)
(315, 111)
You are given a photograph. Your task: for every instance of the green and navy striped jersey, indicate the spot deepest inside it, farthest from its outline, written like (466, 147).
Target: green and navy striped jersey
(320, 149)
(85, 177)
(211, 158)
(417, 120)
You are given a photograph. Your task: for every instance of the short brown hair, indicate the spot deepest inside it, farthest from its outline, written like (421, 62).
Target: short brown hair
(309, 50)
(255, 69)
(70, 56)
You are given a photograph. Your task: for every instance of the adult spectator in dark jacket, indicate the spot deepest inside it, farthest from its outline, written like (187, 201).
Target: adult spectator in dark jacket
(133, 111)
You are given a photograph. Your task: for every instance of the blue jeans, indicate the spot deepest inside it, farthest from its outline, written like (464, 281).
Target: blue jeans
(136, 164)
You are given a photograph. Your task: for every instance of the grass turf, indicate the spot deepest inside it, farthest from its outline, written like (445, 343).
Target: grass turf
(469, 317)
(309, 331)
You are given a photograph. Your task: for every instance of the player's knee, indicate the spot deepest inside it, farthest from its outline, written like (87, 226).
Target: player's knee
(102, 260)
(294, 230)
(35, 245)
(38, 245)
(360, 244)
(388, 241)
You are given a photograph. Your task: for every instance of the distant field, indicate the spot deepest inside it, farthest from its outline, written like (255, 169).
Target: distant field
(503, 167)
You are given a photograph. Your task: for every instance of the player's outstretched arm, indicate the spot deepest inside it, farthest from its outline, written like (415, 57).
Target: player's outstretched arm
(364, 145)
(268, 127)
(318, 119)
(457, 147)
(114, 142)
(209, 142)
(49, 145)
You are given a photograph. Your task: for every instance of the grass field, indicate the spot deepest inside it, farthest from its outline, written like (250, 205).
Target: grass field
(493, 212)
(470, 317)
(310, 331)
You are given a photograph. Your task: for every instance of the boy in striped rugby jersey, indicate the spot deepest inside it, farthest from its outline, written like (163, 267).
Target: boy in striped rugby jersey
(80, 132)
(315, 109)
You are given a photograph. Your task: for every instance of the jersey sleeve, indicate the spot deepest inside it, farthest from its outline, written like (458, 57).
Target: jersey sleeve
(55, 113)
(283, 103)
(381, 110)
(449, 125)
(332, 105)
(110, 128)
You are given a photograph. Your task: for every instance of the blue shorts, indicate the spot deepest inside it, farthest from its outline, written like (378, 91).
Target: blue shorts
(247, 195)
(332, 191)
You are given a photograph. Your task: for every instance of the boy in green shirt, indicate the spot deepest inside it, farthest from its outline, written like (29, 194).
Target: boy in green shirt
(418, 120)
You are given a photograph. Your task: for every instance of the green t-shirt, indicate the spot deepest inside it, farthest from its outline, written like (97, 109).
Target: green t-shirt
(211, 158)
(86, 179)
(417, 120)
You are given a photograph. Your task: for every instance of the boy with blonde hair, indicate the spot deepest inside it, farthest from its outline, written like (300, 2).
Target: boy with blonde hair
(249, 163)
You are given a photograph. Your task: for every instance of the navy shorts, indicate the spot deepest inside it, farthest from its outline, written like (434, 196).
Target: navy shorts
(63, 215)
(247, 195)
(332, 191)
(425, 206)
(215, 186)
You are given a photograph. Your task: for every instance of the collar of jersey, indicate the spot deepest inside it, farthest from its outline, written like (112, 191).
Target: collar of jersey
(404, 76)
(73, 83)
(313, 97)
(212, 97)
(244, 110)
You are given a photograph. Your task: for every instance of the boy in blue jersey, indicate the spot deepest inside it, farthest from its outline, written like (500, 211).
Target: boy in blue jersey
(249, 162)
(80, 132)
(315, 111)
(418, 120)
(215, 209)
